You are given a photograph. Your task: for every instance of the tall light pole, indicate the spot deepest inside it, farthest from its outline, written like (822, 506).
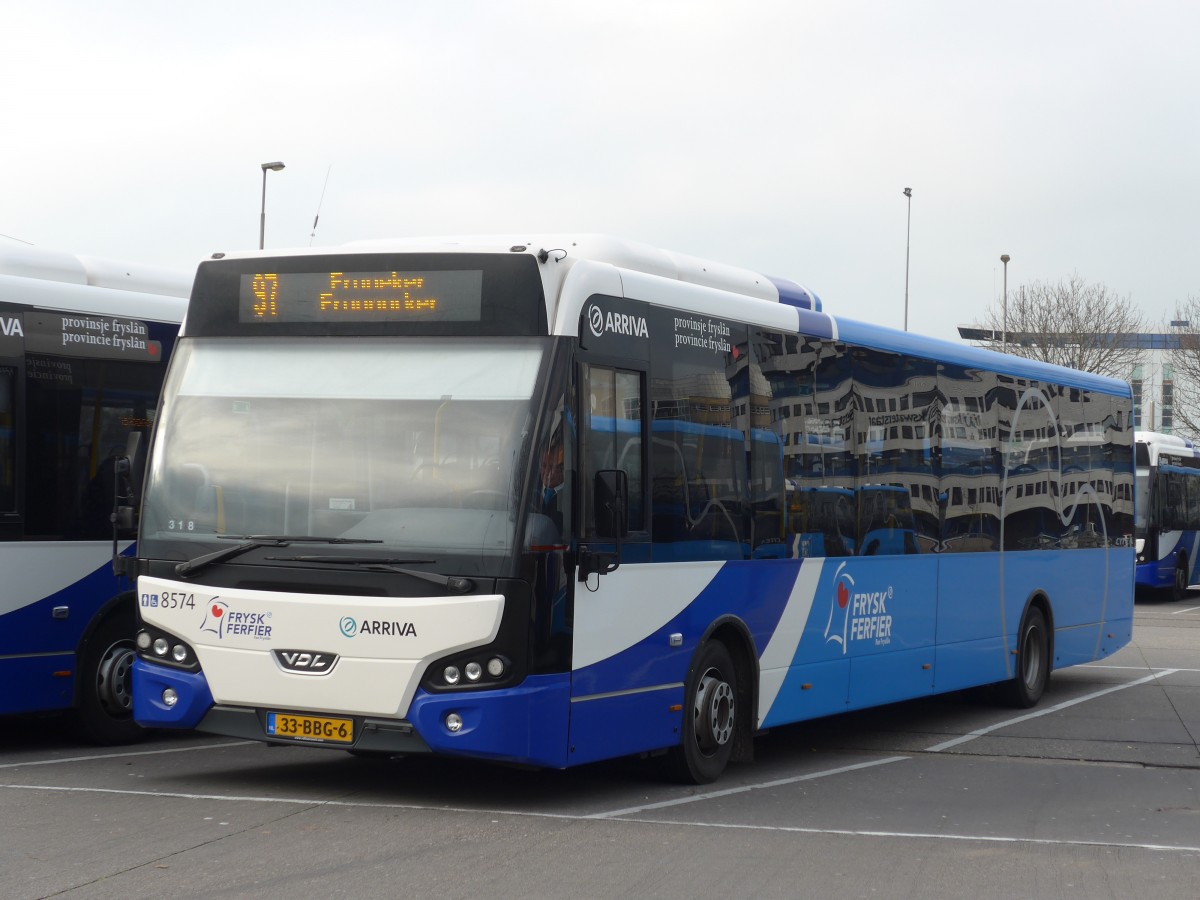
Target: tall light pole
(1004, 258)
(262, 218)
(907, 243)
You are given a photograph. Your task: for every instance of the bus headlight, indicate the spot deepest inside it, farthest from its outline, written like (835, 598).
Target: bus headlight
(472, 671)
(163, 648)
(454, 722)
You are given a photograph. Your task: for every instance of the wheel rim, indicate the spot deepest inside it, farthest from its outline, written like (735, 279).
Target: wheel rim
(1031, 655)
(114, 679)
(713, 712)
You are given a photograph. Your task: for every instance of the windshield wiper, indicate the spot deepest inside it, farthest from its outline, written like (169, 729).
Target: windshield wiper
(452, 583)
(250, 541)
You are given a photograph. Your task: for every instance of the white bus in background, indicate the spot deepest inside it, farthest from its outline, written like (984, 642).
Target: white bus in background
(83, 349)
(1167, 519)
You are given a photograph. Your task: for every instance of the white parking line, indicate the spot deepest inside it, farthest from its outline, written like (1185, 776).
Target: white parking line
(980, 732)
(70, 759)
(1178, 611)
(725, 792)
(625, 813)
(1128, 668)
(937, 748)
(918, 835)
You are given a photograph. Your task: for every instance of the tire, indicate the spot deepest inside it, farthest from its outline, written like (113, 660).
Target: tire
(1178, 590)
(1033, 663)
(104, 711)
(709, 719)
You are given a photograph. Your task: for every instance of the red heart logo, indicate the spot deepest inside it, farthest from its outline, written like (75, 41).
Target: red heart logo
(843, 594)
(218, 612)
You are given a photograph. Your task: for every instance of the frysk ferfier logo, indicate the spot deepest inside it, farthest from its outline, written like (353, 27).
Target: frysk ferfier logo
(856, 615)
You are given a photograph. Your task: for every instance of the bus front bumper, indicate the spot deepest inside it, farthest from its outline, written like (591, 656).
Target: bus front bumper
(1158, 574)
(527, 724)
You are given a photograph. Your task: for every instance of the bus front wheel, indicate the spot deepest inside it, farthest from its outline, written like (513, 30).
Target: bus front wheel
(709, 719)
(104, 710)
(1033, 663)
(1179, 588)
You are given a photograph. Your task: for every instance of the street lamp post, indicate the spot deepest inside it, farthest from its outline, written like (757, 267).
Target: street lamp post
(262, 218)
(907, 243)
(1004, 258)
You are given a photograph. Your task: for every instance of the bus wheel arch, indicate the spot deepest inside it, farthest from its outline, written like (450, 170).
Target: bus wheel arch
(1034, 656)
(103, 709)
(718, 706)
(734, 634)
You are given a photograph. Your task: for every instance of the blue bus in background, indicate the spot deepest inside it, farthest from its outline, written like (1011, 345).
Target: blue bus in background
(823, 521)
(565, 498)
(1167, 523)
(84, 344)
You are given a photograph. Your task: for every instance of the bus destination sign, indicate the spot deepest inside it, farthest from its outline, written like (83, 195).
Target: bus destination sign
(388, 296)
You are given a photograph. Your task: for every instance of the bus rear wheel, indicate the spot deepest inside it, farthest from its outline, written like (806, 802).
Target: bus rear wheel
(104, 711)
(709, 719)
(1033, 663)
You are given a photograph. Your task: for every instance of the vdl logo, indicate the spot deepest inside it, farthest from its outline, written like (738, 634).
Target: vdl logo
(306, 662)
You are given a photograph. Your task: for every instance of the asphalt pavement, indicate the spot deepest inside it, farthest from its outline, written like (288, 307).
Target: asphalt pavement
(1095, 793)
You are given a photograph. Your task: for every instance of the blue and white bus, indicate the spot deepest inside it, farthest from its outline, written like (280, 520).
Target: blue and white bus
(1167, 522)
(515, 500)
(83, 350)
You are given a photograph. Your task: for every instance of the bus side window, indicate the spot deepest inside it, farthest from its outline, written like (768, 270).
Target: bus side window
(612, 437)
(8, 441)
(1193, 499)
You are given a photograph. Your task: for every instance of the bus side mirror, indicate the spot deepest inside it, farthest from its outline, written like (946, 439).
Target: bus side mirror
(124, 518)
(610, 496)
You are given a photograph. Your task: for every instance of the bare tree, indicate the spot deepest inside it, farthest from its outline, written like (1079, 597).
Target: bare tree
(1071, 323)
(1185, 363)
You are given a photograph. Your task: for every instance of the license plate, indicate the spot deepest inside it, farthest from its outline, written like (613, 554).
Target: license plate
(310, 728)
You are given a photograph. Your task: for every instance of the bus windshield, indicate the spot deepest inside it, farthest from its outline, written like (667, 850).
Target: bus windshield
(409, 445)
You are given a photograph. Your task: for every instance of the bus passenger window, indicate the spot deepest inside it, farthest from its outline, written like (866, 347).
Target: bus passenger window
(612, 437)
(8, 442)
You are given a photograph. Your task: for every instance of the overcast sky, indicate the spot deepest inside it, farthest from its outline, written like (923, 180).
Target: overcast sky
(778, 136)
